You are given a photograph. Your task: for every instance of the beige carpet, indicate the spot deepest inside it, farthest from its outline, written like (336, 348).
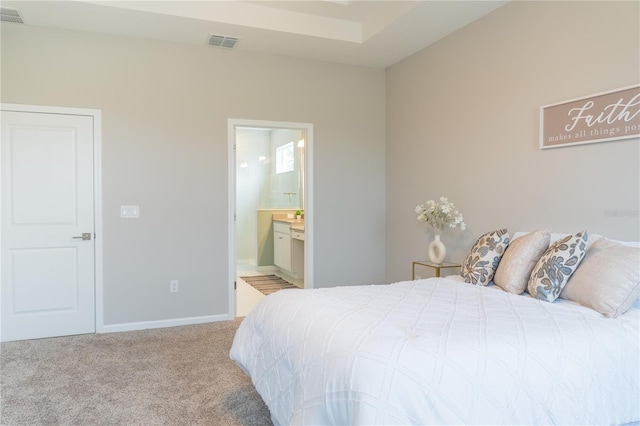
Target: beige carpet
(171, 376)
(267, 284)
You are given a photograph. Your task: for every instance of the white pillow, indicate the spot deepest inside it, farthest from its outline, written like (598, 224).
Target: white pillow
(555, 236)
(635, 244)
(556, 265)
(608, 279)
(519, 259)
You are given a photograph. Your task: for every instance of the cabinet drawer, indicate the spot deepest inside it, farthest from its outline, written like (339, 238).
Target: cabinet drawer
(297, 235)
(281, 227)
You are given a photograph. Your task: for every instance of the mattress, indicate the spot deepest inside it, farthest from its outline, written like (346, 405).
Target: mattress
(439, 351)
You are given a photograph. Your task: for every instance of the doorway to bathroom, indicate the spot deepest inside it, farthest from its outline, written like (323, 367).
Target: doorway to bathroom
(270, 179)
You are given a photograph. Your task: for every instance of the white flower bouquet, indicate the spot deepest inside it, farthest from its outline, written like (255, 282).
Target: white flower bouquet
(440, 215)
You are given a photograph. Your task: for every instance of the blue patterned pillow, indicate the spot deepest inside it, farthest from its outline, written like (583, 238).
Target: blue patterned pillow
(556, 266)
(481, 263)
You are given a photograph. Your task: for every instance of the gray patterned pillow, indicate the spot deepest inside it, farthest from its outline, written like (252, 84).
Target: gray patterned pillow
(556, 266)
(481, 263)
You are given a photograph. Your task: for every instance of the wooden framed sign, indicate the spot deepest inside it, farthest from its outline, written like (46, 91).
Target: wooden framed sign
(607, 116)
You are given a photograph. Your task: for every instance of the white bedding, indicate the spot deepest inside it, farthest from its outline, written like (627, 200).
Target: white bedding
(439, 351)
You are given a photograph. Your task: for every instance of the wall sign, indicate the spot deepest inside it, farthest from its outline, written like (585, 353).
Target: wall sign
(603, 117)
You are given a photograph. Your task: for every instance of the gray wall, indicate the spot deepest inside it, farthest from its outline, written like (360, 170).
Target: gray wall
(462, 121)
(164, 146)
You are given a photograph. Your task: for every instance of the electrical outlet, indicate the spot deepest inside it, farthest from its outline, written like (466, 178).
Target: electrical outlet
(173, 286)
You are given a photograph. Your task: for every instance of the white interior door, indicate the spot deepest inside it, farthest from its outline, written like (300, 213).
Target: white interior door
(48, 269)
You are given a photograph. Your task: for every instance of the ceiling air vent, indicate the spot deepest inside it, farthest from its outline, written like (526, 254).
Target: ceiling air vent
(222, 41)
(10, 15)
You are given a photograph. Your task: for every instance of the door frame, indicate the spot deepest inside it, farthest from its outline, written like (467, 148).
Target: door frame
(232, 125)
(95, 114)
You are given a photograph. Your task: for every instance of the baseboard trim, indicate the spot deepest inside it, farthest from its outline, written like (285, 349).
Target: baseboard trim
(267, 268)
(145, 325)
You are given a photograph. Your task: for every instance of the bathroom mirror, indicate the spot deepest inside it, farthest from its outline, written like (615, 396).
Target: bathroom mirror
(270, 168)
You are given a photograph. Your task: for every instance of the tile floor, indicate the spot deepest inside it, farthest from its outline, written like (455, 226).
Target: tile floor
(248, 297)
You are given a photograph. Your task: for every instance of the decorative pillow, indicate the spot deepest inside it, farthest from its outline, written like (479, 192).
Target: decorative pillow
(592, 238)
(608, 279)
(518, 261)
(556, 265)
(482, 261)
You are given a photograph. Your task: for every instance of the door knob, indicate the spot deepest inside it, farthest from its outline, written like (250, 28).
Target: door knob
(85, 236)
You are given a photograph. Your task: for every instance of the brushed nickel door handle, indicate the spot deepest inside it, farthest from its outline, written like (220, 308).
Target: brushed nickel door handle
(85, 236)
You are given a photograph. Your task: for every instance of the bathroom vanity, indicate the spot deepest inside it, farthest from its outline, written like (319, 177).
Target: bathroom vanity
(288, 245)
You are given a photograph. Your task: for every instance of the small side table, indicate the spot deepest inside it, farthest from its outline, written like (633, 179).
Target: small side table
(436, 266)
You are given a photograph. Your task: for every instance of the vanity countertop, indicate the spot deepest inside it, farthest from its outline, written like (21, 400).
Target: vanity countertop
(296, 224)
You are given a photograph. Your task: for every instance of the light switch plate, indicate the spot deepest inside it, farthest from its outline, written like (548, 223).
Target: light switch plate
(130, 212)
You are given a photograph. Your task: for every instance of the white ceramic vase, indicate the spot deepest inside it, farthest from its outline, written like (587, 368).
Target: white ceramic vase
(436, 250)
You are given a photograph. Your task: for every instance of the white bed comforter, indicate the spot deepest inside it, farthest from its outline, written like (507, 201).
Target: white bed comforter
(438, 351)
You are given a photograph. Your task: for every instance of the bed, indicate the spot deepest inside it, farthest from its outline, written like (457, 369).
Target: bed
(439, 351)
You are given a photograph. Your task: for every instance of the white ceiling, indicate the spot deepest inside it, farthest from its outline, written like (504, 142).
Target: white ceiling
(370, 33)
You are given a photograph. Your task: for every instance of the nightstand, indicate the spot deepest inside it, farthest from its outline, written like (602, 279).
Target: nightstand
(435, 266)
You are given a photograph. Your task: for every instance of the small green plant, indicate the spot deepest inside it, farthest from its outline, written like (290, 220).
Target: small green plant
(298, 213)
